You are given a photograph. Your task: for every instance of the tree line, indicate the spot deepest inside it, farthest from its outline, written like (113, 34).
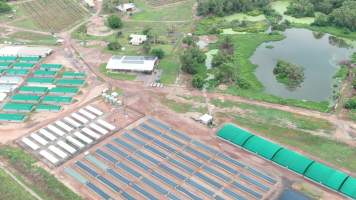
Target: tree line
(4, 6)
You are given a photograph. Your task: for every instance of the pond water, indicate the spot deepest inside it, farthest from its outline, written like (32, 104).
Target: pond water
(290, 194)
(319, 54)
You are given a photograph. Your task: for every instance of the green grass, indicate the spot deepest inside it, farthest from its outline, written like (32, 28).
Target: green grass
(331, 151)
(10, 190)
(116, 75)
(33, 38)
(179, 107)
(38, 179)
(282, 118)
(243, 16)
(170, 68)
(178, 12)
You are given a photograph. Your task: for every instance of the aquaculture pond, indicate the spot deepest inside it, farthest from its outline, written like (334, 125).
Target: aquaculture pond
(319, 55)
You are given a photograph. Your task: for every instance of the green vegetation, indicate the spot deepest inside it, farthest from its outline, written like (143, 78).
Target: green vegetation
(183, 107)
(10, 190)
(116, 75)
(289, 74)
(170, 66)
(193, 60)
(114, 22)
(114, 46)
(159, 53)
(4, 7)
(42, 182)
(31, 38)
(350, 104)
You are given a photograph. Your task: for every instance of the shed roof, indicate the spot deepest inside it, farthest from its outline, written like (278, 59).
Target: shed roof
(64, 90)
(12, 117)
(74, 74)
(5, 64)
(47, 107)
(132, 63)
(24, 65)
(20, 72)
(24, 97)
(326, 175)
(57, 99)
(292, 160)
(234, 134)
(51, 66)
(40, 80)
(44, 73)
(33, 89)
(29, 59)
(262, 147)
(18, 106)
(70, 82)
(8, 58)
(349, 187)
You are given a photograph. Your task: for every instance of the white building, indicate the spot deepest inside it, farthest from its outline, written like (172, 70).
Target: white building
(126, 7)
(90, 3)
(23, 51)
(136, 39)
(206, 119)
(2, 96)
(144, 64)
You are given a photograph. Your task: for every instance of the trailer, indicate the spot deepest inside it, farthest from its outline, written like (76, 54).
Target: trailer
(75, 142)
(87, 114)
(83, 137)
(80, 118)
(39, 139)
(58, 151)
(72, 122)
(98, 128)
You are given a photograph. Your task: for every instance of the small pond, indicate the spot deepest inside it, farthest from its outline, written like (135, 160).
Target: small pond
(319, 54)
(290, 194)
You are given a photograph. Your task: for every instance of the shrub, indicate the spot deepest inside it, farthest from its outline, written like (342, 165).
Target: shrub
(159, 53)
(350, 104)
(113, 46)
(114, 22)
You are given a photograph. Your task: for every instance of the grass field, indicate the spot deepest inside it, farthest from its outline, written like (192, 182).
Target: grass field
(38, 179)
(32, 38)
(10, 190)
(180, 107)
(116, 75)
(51, 16)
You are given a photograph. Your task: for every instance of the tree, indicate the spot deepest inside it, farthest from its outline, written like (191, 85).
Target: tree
(146, 47)
(198, 81)
(188, 40)
(321, 19)
(345, 16)
(350, 104)
(4, 7)
(227, 73)
(227, 45)
(114, 22)
(300, 8)
(192, 60)
(289, 74)
(113, 46)
(159, 53)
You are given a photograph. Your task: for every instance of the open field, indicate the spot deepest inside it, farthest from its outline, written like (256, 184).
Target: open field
(10, 190)
(52, 16)
(116, 75)
(31, 38)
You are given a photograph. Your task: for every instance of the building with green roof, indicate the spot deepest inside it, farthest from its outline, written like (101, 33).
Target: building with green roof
(73, 75)
(8, 58)
(17, 72)
(64, 91)
(51, 67)
(5, 65)
(349, 187)
(25, 98)
(262, 147)
(326, 175)
(18, 107)
(47, 107)
(33, 90)
(31, 59)
(23, 65)
(9, 117)
(234, 134)
(57, 99)
(44, 81)
(70, 82)
(44, 73)
(292, 160)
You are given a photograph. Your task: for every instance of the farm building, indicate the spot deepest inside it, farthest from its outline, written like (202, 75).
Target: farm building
(126, 7)
(90, 3)
(2, 96)
(136, 39)
(10, 80)
(12, 117)
(7, 88)
(144, 64)
(25, 51)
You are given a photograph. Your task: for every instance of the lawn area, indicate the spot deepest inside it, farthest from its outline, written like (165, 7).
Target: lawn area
(43, 183)
(10, 190)
(318, 147)
(116, 75)
(51, 16)
(177, 12)
(34, 38)
(170, 67)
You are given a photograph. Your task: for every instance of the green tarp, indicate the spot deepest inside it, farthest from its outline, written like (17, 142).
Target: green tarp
(292, 160)
(234, 134)
(262, 147)
(29, 89)
(326, 175)
(349, 187)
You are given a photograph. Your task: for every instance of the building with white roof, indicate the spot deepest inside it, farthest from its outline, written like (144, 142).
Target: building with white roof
(90, 3)
(2, 96)
(206, 119)
(23, 51)
(144, 64)
(136, 39)
(126, 7)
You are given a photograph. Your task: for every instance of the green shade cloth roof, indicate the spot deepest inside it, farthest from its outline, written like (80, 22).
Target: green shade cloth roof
(30, 59)
(74, 74)
(12, 117)
(64, 90)
(234, 134)
(326, 175)
(262, 147)
(33, 89)
(292, 160)
(23, 65)
(70, 82)
(44, 73)
(8, 58)
(349, 187)
(41, 80)
(51, 66)
(18, 106)
(17, 71)
(57, 99)
(5, 64)
(24, 97)
(47, 107)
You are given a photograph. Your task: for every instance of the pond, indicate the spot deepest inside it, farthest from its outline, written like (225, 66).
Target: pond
(318, 54)
(290, 194)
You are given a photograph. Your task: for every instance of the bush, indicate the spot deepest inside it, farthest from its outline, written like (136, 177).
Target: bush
(4, 7)
(159, 53)
(114, 22)
(113, 46)
(198, 81)
(350, 104)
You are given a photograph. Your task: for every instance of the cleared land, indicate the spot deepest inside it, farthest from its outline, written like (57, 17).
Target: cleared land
(52, 16)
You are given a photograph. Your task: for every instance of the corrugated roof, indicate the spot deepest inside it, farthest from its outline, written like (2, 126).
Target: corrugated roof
(29, 59)
(41, 80)
(234, 134)
(70, 82)
(12, 117)
(349, 187)
(51, 66)
(292, 160)
(326, 175)
(5, 64)
(262, 147)
(24, 97)
(74, 74)
(47, 107)
(64, 90)
(23, 65)
(8, 58)
(44, 73)
(57, 99)
(18, 106)
(20, 72)
(33, 89)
